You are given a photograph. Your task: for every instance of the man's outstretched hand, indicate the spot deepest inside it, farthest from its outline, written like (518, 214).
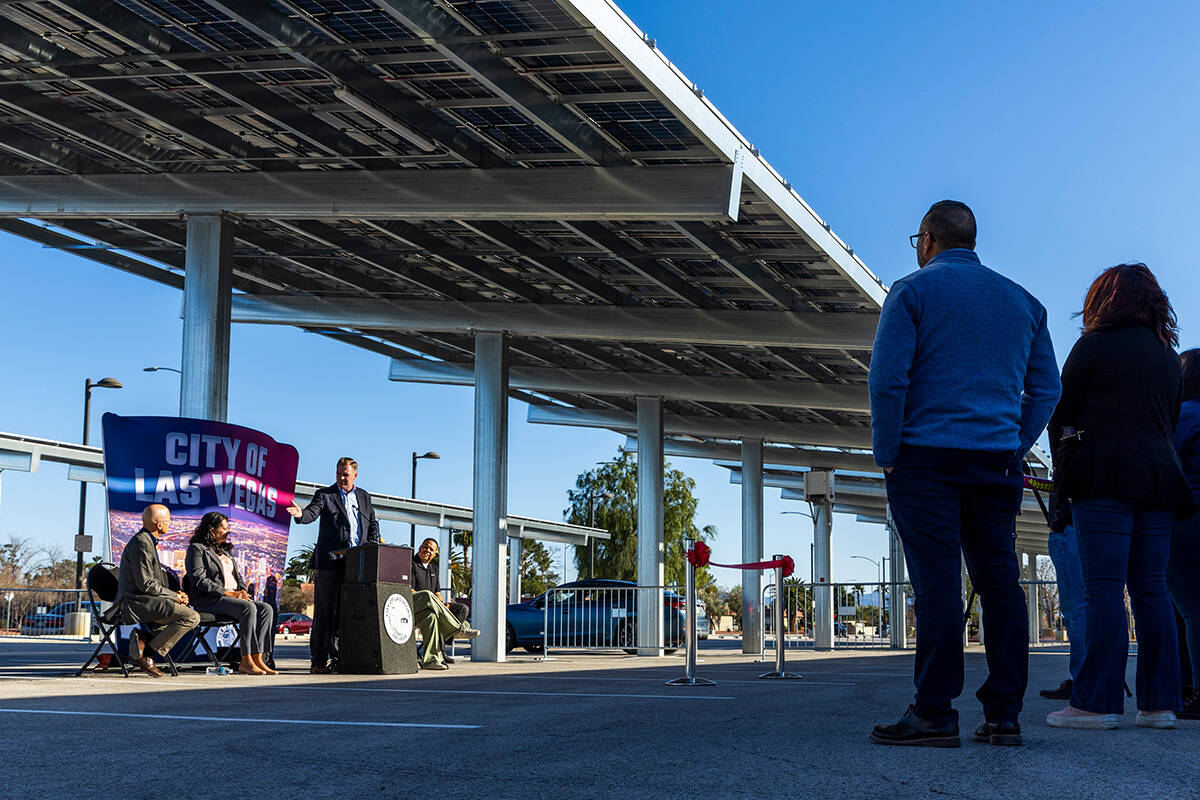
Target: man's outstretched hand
(294, 510)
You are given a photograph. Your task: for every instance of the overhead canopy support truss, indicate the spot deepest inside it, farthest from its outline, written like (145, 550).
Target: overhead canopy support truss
(700, 192)
(598, 323)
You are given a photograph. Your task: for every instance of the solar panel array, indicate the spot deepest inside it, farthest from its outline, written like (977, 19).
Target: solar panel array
(188, 86)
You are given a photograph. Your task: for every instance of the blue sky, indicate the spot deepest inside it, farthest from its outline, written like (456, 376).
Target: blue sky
(1070, 128)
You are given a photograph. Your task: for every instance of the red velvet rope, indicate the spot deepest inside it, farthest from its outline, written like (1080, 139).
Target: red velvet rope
(699, 556)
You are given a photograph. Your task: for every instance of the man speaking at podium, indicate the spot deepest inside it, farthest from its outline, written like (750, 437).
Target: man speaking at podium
(347, 520)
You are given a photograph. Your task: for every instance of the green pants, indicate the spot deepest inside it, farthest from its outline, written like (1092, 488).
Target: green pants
(436, 623)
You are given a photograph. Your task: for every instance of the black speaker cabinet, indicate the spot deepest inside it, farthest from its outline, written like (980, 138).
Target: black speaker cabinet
(385, 563)
(376, 634)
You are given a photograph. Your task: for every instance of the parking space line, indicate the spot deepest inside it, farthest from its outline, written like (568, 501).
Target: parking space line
(505, 694)
(237, 719)
(660, 679)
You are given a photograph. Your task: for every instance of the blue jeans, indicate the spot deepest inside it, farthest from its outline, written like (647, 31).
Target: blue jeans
(1123, 544)
(949, 504)
(1064, 553)
(1183, 579)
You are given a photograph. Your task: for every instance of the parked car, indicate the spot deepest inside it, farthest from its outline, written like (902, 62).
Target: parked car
(703, 623)
(293, 623)
(52, 622)
(606, 616)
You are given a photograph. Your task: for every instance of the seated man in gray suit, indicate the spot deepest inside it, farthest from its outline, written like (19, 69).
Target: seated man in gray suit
(143, 594)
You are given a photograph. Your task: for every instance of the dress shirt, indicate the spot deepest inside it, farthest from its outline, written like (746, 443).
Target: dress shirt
(350, 501)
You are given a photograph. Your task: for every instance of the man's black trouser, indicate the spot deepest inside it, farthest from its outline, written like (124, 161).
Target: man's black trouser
(327, 592)
(946, 502)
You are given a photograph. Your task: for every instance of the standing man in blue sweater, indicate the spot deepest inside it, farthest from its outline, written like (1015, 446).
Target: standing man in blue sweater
(963, 380)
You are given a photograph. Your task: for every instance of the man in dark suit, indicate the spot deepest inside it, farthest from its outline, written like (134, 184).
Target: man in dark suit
(144, 594)
(347, 520)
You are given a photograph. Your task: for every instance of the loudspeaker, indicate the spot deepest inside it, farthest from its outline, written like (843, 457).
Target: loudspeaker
(376, 634)
(386, 563)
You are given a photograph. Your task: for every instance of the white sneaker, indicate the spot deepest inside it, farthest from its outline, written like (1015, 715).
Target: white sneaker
(1155, 719)
(466, 633)
(1074, 718)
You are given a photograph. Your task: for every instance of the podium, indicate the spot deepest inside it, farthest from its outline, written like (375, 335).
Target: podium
(376, 634)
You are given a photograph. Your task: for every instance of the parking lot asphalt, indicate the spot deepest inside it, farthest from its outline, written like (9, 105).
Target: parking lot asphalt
(581, 725)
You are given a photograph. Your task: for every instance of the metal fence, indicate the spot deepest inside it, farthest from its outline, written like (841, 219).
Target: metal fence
(862, 614)
(44, 612)
(605, 617)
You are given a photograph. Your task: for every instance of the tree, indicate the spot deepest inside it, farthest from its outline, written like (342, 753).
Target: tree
(733, 601)
(299, 567)
(617, 514)
(537, 573)
(17, 556)
(294, 597)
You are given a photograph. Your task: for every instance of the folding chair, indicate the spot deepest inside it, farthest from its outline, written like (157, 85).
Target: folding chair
(102, 581)
(209, 622)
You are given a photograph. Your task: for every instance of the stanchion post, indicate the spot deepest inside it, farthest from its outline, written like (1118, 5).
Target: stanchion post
(780, 640)
(689, 677)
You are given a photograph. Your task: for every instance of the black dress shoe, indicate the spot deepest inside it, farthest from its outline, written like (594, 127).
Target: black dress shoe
(1063, 692)
(449, 660)
(319, 669)
(1005, 732)
(913, 731)
(1191, 707)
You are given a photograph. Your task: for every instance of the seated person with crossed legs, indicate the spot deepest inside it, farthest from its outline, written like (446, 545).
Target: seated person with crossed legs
(220, 590)
(143, 595)
(436, 620)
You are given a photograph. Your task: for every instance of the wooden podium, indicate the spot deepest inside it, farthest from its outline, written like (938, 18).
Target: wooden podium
(376, 634)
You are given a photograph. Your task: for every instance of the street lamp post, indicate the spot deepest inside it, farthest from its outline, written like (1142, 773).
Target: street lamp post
(412, 526)
(591, 518)
(88, 385)
(879, 568)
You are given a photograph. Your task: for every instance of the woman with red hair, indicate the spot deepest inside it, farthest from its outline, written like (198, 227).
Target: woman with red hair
(1112, 437)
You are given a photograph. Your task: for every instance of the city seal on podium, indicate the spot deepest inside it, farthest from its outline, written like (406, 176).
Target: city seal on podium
(398, 618)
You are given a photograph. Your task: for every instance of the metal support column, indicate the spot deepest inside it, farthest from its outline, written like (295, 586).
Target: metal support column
(752, 546)
(490, 495)
(514, 570)
(445, 541)
(207, 297)
(1031, 597)
(650, 544)
(898, 621)
(823, 600)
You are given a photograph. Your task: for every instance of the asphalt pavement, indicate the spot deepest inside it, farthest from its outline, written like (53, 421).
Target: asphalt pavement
(580, 725)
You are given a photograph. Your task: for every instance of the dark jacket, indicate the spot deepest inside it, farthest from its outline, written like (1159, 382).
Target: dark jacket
(144, 592)
(1119, 407)
(334, 533)
(205, 580)
(425, 577)
(1187, 443)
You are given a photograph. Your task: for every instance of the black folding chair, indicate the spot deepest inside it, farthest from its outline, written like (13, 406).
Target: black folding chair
(207, 623)
(102, 581)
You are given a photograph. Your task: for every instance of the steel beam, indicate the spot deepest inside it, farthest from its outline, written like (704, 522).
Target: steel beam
(787, 394)
(444, 34)
(823, 600)
(752, 547)
(138, 30)
(713, 427)
(650, 542)
(566, 193)
(207, 291)
(776, 458)
(273, 25)
(716, 327)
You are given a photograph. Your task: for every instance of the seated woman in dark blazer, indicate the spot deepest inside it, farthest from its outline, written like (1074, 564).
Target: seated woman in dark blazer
(217, 588)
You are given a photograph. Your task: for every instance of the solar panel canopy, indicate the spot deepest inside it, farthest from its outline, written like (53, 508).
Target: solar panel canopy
(402, 173)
